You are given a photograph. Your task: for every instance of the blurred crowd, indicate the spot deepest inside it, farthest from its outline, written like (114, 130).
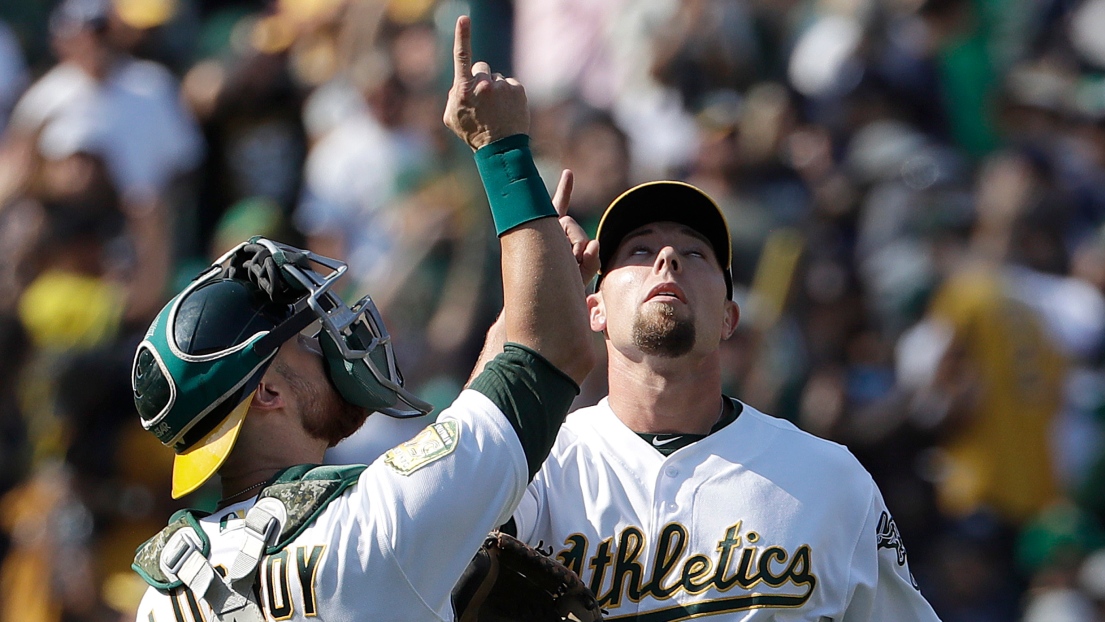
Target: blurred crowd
(915, 189)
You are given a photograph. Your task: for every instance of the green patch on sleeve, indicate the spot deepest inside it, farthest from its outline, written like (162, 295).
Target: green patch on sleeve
(436, 441)
(533, 394)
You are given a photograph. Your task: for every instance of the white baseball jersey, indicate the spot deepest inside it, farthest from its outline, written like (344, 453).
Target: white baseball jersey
(392, 546)
(758, 521)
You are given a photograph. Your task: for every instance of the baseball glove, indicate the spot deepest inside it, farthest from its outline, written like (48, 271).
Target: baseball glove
(508, 581)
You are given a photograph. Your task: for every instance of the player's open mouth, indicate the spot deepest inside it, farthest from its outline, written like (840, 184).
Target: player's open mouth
(667, 291)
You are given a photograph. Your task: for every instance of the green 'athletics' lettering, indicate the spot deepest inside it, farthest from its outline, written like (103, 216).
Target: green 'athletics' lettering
(574, 556)
(739, 560)
(630, 545)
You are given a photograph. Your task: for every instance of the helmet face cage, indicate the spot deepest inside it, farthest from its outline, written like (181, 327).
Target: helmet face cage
(346, 326)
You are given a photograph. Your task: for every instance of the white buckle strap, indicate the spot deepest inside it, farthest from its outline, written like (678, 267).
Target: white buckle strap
(263, 523)
(231, 598)
(182, 560)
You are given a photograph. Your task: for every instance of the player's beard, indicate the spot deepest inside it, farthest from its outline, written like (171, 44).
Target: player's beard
(657, 331)
(326, 416)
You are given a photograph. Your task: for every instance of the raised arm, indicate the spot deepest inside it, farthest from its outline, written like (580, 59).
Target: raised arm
(543, 294)
(585, 250)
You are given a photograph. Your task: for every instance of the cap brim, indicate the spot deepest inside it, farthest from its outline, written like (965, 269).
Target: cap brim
(194, 467)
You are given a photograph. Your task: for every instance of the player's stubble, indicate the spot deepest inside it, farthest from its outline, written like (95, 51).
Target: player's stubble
(657, 330)
(325, 415)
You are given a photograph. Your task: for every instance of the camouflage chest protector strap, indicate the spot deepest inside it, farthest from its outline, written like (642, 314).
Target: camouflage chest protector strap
(178, 555)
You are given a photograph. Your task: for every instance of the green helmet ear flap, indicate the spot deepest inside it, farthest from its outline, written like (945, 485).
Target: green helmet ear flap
(373, 382)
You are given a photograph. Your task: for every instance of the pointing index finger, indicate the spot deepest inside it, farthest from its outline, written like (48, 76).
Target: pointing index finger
(462, 51)
(563, 194)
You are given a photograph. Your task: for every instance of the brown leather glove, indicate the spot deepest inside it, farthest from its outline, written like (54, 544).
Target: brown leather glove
(509, 581)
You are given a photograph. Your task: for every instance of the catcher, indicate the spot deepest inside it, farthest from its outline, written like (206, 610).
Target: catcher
(258, 366)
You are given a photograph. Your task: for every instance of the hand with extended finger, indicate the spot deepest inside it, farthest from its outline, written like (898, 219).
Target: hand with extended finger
(585, 250)
(483, 106)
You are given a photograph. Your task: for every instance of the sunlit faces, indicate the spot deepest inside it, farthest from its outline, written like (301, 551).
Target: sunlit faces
(325, 414)
(664, 294)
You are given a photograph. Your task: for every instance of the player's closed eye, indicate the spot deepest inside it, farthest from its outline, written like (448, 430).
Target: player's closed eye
(643, 250)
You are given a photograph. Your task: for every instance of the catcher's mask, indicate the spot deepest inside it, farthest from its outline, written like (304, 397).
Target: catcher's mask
(205, 353)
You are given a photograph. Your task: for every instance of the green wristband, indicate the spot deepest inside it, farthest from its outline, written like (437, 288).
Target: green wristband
(514, 188)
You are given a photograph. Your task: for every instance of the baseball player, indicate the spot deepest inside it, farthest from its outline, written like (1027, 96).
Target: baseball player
(673, 501)
(257, 367)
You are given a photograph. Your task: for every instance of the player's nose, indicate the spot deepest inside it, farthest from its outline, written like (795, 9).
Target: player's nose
(667, 259)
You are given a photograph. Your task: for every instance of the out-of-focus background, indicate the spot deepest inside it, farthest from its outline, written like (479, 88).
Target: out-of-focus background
(915, 189)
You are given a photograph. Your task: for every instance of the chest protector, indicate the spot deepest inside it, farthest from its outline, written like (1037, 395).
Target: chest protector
(178, 555)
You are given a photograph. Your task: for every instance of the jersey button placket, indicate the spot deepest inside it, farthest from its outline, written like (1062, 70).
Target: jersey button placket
(667, 488)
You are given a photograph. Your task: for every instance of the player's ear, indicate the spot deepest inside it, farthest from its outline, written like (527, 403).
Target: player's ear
(730, 319)
(596, 312)
(270, 392)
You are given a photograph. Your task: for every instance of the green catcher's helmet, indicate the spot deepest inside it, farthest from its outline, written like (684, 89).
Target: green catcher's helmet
(195, 372)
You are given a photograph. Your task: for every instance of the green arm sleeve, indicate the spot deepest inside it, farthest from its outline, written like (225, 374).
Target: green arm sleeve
(533, 394)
